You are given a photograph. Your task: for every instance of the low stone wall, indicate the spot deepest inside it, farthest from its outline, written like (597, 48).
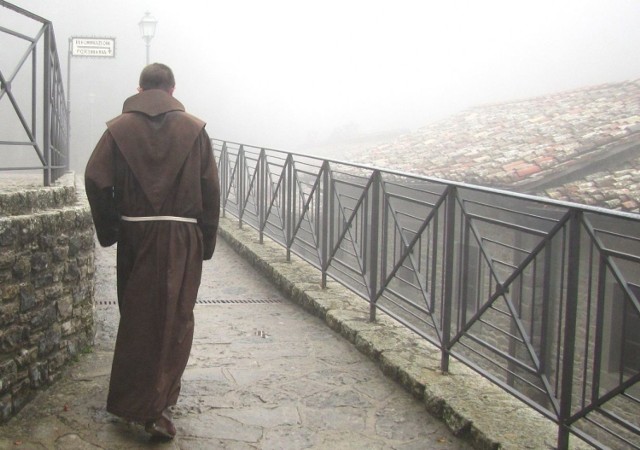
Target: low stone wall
(46, 285)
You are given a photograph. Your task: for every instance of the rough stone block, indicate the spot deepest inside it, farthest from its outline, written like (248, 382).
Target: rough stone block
(73, 272)
(27, 357)
(50, 341)
(12, 338)
(7, 259)
(60, 253)
(68, 327)
(5, 276)
(38, 375)
(56, 362)
(82, 292)
(85, 259)
(85, 313)
(21, 267)
(8, 234)
(62, 240)
(81, 340)
(43, 279)
(40, 261)
(44, 317)
(27, 297)
(68, 218)
(88, 241)
(47, 242)
(30, 230)
(6, 408)
(65, 307)
(8, 374)
(53, 292)
(75, 245)
(21, 394)
(8, 313)
(9, 291)
(58, 271)
(49, 222)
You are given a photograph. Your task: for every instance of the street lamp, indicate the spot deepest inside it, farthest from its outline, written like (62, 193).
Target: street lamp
(148, 29)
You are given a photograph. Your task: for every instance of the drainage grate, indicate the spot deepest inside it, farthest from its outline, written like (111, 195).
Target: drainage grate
(107, 302)
(213, 301)
(231, 301)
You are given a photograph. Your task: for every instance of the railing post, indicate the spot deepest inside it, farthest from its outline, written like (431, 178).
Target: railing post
(46, 107)
(69, 103)
(34, 93)
(261, 186)
(325, 236)
(373, 244)
(290, 192)
(223, 174)
(571, 309)
(447, 294)
(241, 183)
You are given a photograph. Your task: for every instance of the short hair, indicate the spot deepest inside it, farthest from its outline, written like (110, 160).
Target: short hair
(157, 76)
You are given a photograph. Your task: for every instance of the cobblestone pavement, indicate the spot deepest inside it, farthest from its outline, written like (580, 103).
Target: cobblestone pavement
(263, 374)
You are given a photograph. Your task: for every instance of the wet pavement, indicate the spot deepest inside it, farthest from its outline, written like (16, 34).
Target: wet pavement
(263, 374)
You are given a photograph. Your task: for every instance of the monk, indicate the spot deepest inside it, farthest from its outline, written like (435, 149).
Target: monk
(153, 189)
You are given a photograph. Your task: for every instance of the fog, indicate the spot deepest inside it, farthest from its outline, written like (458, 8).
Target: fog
(294, 75)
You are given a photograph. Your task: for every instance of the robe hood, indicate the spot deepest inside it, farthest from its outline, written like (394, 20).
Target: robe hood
(155, 135)
(152, 102)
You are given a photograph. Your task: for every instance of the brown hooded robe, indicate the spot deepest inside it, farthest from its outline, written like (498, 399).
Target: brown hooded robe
(153, 160)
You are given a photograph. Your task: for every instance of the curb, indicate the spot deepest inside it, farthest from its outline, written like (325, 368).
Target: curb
(472, 407)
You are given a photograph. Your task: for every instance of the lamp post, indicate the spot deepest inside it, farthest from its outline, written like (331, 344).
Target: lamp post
(148, 29)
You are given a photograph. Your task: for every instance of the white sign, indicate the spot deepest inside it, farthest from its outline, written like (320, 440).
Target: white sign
(93, 47)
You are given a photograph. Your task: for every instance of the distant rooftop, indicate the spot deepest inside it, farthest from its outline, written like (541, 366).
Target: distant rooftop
(581, 146)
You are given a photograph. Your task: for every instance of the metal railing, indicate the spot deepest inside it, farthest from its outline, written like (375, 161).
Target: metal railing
(541, 297)
(52, 149)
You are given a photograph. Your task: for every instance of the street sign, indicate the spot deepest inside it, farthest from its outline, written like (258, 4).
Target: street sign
(93, 47)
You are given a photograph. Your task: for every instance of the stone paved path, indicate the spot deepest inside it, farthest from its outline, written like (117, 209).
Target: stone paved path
(263, 374)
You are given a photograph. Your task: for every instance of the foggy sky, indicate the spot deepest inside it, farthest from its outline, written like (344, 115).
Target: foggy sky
(287, 74)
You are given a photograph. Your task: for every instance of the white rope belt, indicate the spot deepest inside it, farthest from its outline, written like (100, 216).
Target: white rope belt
(154, 218)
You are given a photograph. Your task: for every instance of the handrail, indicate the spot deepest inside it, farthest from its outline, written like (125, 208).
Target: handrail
(539, 296)
(52, 148)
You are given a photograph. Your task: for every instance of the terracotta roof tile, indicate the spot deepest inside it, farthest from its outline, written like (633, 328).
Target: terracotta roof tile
(504, 144)
(529, 169)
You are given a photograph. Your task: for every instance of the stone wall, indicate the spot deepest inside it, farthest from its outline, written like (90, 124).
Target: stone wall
(46, 286)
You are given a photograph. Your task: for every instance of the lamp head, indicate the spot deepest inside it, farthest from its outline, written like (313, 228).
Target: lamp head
(147, 26)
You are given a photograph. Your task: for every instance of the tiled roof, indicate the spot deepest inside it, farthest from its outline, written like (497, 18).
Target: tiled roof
(617, 188)
(510, 145)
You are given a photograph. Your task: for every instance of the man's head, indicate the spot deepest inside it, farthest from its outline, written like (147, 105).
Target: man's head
(157, 76)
